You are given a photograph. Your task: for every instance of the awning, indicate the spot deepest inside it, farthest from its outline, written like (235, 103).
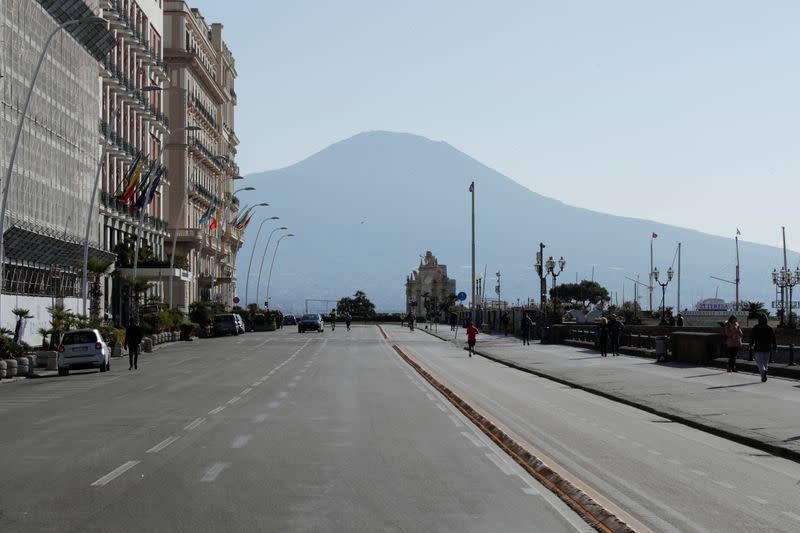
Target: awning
(45, 247)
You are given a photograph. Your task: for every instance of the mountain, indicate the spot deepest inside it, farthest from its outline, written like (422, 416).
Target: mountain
(365, 209)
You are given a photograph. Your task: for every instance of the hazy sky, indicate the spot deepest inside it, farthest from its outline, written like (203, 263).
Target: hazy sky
(685, 111)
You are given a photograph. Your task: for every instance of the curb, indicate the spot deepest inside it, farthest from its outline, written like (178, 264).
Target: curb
(592, 512)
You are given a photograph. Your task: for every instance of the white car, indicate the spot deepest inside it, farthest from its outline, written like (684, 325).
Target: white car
(83, 348)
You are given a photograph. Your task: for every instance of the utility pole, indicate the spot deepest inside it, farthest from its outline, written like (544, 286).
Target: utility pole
(650, 284)
(472, 301)
(678, 309)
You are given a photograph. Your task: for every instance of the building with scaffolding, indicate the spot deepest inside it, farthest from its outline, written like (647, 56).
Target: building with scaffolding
(53, 178)
(202, 165)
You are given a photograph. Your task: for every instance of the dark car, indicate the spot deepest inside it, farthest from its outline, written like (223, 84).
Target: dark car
(311, 322)
(225, 324)
(289, 320)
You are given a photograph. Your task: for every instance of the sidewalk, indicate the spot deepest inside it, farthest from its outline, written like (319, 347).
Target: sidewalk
(735, 406)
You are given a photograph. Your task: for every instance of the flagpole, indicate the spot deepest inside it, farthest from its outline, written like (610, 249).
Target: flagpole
(678, 310)
(737, 270)
(472, 301)
(650, 284)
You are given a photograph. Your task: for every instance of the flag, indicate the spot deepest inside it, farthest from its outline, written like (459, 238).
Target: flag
(128, 175)
(209, 212)
(130, 189)
(213, 224)
(244, 224)
(147, 196)
(654, 235)
(738, 232)
(472, 187)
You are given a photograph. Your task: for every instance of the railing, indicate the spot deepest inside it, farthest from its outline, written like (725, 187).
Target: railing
(197, 104)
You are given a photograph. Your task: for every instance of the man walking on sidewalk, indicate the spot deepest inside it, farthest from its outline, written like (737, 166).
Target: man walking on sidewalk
(472, 332)
(527, 328)
(133, 338)
(763, 339)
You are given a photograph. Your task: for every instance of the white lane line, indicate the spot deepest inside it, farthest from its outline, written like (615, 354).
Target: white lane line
(257, 383)
(441, 407)
(274, 405)
(163, 444)
(723, 484)
(674, 461)
(654, 452)
(792, 515)
(530, 491)
(698, 472)
(214, 471)
(758, 500)
(260, 418)
(196, 422)
(241, 441)
(111, 476)
(234, 400)
(246, 391)
(472, 438)
(430, 397)
(499, 463)
(217, 410)
(456, 421)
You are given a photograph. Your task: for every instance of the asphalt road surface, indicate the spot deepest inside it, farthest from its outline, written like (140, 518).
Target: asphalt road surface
(669, 477)
(287, 432)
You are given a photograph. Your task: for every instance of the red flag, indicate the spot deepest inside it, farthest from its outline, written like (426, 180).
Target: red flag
(654, 235)
(213, 224)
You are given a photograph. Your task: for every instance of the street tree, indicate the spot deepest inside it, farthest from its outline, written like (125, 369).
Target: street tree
(581, 295)
(754, 309)
(358, 306)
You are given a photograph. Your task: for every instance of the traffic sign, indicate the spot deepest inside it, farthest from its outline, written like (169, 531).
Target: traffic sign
(236, 299)
(462, 296)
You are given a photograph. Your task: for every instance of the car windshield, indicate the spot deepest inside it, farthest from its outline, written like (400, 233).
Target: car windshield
(79, 337)
(310, 317)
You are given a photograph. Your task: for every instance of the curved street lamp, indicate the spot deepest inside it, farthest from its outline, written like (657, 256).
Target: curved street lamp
(656, 273)
(18, 134)
(275, 253)
(264, 255)
(250, 264)
(550, 265)
(784, 278)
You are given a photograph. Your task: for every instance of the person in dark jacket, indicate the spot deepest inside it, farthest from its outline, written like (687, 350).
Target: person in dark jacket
(453, 321)
(615, 328)
(527, 329)
(762, 340)
(602, 336)
(133, 338)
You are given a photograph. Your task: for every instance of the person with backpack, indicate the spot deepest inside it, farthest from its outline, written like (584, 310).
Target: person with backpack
(733, 339)
(762, 339)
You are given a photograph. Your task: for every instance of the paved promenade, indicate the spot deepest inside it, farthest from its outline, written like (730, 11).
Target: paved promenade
(737, 406)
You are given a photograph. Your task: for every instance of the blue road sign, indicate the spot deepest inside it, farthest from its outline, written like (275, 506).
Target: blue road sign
(462, 296)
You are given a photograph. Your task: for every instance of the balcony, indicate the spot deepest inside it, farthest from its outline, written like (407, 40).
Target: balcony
(192, 236)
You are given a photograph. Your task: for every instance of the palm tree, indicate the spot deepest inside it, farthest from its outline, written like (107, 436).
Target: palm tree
(21, 314)
(44, 332)
(754, 309)
(98, 268)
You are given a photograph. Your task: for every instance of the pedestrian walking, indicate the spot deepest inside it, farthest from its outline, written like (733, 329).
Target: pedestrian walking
(733, 339)
(348, 319)
(133, 338)
(453, 321)
(602, 336)
(504, 320)
(762, 339)
(527, 329)
(411, 319)
(671, 319)
(472, 333)
(333, 319)
(615, 327)
(679, 321)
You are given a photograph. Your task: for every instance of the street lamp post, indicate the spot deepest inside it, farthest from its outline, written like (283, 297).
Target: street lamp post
(550, 265)
(18, 135)
(274, 254)
(250, 263)
(261, 265)
(663, 290)
(85, 278)
(784, 278)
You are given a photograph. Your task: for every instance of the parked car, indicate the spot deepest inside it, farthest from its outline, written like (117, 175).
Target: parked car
(226, 324)
(83, 348)
(240, 322)
(311, 322)
(289, 320)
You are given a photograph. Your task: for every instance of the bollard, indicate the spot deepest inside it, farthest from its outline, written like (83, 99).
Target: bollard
(791, 354)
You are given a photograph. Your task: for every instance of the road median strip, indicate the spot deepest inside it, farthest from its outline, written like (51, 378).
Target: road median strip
(580, 502)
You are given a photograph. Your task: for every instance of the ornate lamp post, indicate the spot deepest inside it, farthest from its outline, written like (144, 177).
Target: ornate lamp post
(550, 266)
(784, 278)
(663, 289)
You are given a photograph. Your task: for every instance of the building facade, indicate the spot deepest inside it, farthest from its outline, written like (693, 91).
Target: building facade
(132, 129)
(429, 285)
(201, 96)
(54, 172)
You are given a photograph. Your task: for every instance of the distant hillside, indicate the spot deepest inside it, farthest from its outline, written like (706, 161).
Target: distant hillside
(364, 210)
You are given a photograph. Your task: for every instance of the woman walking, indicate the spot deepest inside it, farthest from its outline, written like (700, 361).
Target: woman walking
(602, 336)
(763, 339)
(733, 336)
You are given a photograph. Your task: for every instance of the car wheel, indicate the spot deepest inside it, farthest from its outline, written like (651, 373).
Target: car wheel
(63, 371)
(102, 367)
(108, 366)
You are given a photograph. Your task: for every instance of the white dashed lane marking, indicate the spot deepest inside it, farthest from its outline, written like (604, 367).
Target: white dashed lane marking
(111, 476)
(260, 418)
(241, 441)
(196, 422)
(163, 444)
(234, 400)
(246, 391)
(758, 500)
(217, 410)
(213, 472)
